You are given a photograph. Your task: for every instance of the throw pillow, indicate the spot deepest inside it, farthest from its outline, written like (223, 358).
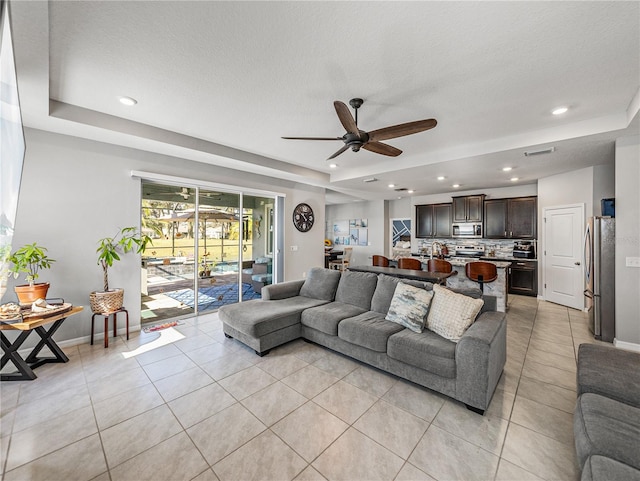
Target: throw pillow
(409, 306)
(320, 284)
(451, 314)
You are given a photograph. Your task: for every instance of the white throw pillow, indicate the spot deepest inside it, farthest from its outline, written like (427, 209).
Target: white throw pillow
(409, 306)
(451, 313)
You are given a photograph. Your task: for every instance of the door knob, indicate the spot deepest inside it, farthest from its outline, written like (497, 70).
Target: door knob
(577, 263)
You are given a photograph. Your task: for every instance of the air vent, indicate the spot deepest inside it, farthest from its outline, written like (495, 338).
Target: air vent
(401, 189)
(539, 152)
(371, 179)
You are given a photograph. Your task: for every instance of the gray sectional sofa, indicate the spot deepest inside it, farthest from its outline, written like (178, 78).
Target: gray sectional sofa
(606, 421)
(345, 312)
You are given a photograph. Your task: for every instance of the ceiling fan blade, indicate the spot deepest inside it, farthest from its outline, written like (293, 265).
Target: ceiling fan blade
(312, 138)
(346, 119)
(380, 148)
(338, 152)
(402, 129)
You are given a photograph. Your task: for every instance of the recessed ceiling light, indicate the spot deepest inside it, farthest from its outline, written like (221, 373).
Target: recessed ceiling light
(128, 101)
(399, 197)
(333, 166)
(441, 177)
(410, 191)
(455, 186)
(559, 110)
(506, 169)
(391, 186)
(513, 179)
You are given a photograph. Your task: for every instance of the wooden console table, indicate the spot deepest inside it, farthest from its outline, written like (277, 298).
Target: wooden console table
(26, 366)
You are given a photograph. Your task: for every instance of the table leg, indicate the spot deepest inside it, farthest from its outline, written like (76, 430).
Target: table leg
(106, 331)
(47, 340)
(11, 354)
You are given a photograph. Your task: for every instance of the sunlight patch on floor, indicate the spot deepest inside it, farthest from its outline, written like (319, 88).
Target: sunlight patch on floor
(166, 336)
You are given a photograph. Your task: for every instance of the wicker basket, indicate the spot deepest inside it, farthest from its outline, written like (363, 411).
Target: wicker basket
(106, 301)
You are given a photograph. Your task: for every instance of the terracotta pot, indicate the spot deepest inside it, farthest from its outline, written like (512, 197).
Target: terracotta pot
(28, 294)
(108, 301)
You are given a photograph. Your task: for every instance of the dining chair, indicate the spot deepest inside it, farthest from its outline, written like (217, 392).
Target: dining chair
(409, 263)
(481, 272)
(342, 264)
(438, 265)
(381, 261)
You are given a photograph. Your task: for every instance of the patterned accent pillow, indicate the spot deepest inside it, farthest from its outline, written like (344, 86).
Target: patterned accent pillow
(451, 314)
(409, 306)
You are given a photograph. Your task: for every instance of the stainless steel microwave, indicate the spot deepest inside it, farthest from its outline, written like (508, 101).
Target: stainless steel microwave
(469, 230)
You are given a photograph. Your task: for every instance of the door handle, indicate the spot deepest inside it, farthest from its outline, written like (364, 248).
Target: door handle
(577, 263)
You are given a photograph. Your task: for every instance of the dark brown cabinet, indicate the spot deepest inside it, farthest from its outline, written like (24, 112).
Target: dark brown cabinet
(514, 218)
(433, 220)
(468, 208)
(523, 278)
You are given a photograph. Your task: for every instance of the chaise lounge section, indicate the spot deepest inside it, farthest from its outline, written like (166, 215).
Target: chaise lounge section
(346, 312)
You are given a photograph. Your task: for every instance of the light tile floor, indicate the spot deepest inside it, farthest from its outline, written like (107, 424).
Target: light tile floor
(188, 404)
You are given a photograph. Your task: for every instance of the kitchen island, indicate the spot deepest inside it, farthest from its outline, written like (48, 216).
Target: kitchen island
(497, 288)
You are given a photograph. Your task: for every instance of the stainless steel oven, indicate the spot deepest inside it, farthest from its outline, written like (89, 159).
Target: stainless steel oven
(467, 230)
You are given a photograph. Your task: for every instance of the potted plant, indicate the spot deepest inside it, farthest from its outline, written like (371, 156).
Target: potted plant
(109, 250)
(30, 259)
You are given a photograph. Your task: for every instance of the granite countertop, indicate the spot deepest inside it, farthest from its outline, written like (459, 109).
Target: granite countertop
(463, 262)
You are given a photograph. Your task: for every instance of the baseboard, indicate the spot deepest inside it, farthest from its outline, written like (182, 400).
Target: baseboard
(628, 346)
(540, 298)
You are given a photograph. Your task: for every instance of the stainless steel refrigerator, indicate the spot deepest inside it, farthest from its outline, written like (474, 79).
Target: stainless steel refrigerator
(599, 261)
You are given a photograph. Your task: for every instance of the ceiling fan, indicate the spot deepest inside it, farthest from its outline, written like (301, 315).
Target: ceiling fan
(186, 193)
(356, 138)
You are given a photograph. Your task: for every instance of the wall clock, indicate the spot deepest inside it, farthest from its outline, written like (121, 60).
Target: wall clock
(303, 217)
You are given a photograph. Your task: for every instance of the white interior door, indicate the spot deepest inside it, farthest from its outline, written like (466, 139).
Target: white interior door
(563, 270)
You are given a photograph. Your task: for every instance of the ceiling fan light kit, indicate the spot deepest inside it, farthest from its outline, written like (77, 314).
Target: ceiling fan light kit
(355, 139)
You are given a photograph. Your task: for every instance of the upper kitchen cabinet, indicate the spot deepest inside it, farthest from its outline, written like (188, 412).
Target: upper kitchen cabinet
(468, 208)
(514, 218)
(433, 220)
(522, 215)
(495, 218)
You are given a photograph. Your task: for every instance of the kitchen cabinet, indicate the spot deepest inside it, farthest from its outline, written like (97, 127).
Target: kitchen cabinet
(468, 208)
(433, 220)
(514, 218)
(523, 278)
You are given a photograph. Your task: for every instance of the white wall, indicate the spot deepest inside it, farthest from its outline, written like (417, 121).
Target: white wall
(374, 212)
(77, 191)
(604, 185)
(575, 187)
(498, 193)
(627, 194)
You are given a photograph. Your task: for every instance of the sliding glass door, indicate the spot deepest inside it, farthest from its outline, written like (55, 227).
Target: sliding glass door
(210, 248)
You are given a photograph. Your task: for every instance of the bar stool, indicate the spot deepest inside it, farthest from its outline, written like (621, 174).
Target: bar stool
(381, 261)
(438, 265)
(409, 263)
(481, 272)
(106, 316)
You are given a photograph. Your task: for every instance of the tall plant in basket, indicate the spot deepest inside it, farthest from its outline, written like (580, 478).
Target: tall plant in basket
(109, 251)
